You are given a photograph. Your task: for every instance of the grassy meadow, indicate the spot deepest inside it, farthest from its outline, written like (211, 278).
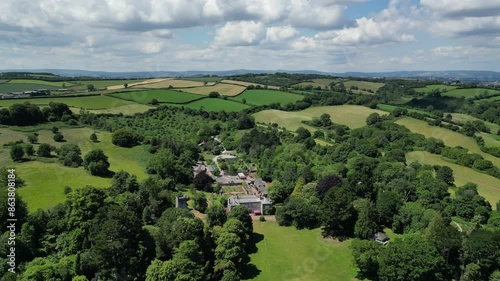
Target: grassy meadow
(317, 83)
(353, 116)
(430, 88)
(229, 90)
(469, 93)
(363, 86)
(262, 97)
(45, 182)
(174, 83)
(246, 84)
(82, 85)
(88, 102)
(215, 104)
(488, 186)
(285, 253)
(449, 137)
(170, 96)
(128, 109)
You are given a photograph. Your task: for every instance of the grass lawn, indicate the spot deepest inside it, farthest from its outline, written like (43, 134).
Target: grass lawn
(262, 97)
(229, 90)
(285, 253)
(50, 178)
(469, 93)
(215, 104)
(353, 116)
(161, 95)
(488, 186)
(464, 118)
(90, 102)
(429, 88)
(449, 137)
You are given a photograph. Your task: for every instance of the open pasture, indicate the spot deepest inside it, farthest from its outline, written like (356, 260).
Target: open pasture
(363, 86)
(353, 116)
(89, 102)
(223, 89)
(488, 186)
(215, 104)
(98, 84)
(430, 88)
(262, 97)
(311, 258)
(174, 83)
(45, 182)
(449, 137)
(316, 83)
(138, 83)
(170, 96)
(469, 93)
(246, 84)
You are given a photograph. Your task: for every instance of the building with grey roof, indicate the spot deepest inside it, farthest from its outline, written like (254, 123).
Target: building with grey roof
(254, 204)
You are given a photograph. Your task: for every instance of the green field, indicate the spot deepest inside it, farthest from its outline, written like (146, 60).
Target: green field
(90, 102)
(363, 86)
(286, 253)
(490, 99)
(40, 82)
(353, 116)
(82, 85)
(469, 93)
(390, 108)
(161, 95)
(317, 83)
(488, 186)
(128, 109)
(449, 137)
(429, 88)
(215, 104)
(262, 97)
(46, 181)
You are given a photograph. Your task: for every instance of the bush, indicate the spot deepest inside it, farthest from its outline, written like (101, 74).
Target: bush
(58, 137)
(33, 138)
(67, 189)
(214, 95)
(44, 150)
(262, 218)
(125, 138)
(55, 130)
(93, 137)
(96, 162)
(16, 152)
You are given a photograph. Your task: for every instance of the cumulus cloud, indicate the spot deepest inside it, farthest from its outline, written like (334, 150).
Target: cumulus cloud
(280, 33)
(242, 33)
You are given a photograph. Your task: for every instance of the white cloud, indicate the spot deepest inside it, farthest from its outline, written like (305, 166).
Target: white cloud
(242, 33)
(279, 34)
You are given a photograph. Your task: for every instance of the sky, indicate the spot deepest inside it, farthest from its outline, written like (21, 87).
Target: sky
(179, 35)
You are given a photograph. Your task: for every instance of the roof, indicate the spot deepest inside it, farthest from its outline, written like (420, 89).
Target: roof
(261, 185)
(380, 236)
(236, 200)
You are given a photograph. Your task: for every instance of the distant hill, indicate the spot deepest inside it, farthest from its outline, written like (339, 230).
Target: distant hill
(462, 75)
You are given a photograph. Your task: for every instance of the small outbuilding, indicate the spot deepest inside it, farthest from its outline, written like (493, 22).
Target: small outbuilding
(381, 238)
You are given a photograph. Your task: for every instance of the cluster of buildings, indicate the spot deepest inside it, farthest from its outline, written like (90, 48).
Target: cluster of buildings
(25, 94)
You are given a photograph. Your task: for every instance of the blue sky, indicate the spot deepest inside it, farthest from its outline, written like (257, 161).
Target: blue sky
(325, 35)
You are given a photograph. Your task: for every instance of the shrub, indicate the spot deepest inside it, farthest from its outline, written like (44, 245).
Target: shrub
(58, 137)
(262, 218)
(125, 138)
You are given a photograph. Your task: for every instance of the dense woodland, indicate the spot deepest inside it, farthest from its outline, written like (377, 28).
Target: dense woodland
(357, 186)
